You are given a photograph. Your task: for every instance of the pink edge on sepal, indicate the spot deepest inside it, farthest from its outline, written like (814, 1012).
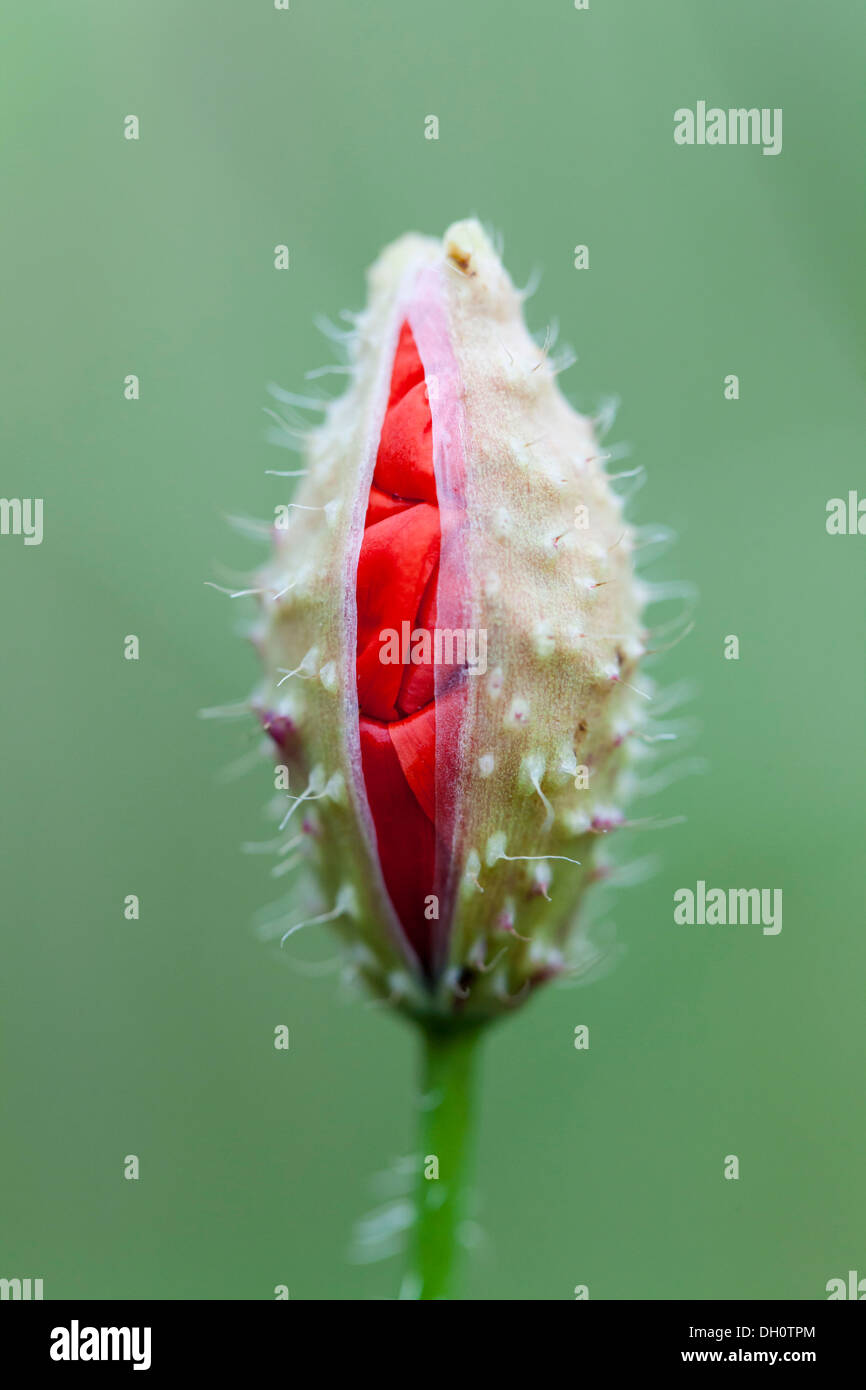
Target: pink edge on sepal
(421, 304)
(428, 318)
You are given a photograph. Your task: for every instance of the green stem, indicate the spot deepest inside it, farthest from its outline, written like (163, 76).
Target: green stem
(447, 1134)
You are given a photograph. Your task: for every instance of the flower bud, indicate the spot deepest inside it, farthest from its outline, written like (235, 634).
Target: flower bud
(450, 628)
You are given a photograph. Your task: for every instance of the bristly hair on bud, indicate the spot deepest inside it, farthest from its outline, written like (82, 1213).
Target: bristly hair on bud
(450, 630)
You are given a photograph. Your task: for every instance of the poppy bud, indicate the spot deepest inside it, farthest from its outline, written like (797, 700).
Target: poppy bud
(450, 628)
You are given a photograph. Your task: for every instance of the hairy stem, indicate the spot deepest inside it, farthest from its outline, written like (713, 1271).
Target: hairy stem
(447, 1115)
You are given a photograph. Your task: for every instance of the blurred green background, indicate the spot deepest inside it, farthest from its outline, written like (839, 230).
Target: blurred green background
(156, 1037)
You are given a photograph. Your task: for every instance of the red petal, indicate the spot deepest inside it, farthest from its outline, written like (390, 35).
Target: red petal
(398, 555)
(400, 722)
(417, 687)
(414, 741)
(405, 837)
(407, 370)
(382, 505)
(404, 463)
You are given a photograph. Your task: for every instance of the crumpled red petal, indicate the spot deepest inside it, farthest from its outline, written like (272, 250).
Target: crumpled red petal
(414, 742)
(398, 570)
(405, 835)
(398, 556)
